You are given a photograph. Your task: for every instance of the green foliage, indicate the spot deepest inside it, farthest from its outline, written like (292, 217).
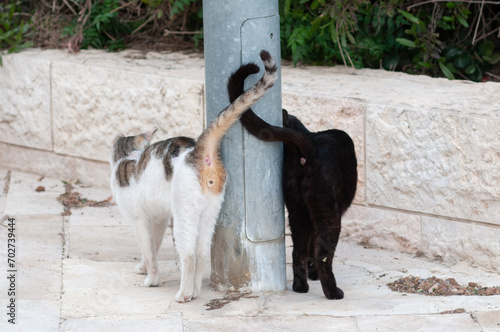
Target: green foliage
(310, 33)
(99, 25)
(435, 38)
(180, 6)
(14, 27)
(454, 39)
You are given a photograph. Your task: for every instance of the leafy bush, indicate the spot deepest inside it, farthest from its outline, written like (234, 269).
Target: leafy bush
(14, 27)
(455, 39)
(433, 38)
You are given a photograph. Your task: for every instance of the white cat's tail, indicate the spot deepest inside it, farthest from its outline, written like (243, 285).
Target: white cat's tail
(205, 156)
(212, 136)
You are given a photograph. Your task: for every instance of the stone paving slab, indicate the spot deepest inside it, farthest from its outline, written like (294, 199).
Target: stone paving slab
(76, 274)
(171, 323)
(23, 199)
(427, 323)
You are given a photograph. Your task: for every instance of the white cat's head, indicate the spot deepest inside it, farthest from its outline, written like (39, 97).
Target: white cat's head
(129, 146)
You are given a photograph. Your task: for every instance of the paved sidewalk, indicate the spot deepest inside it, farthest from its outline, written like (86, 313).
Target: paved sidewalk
(75, 273)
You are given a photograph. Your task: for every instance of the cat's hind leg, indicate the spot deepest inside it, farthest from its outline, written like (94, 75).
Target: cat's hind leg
(185, 233)
(188, 266)
(159, 228)
(158, 234)
(204, 241)
(300, 233)
(325, 243)
(146, 242)
(312, 269)
(141, 267)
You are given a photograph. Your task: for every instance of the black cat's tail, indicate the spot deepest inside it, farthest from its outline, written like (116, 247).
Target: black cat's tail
(258, 127)
(206, 157)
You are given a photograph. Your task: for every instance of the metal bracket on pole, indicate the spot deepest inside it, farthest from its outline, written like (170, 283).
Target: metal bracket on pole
(248, 249)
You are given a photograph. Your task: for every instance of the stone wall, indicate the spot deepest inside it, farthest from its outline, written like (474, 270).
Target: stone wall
(428, 149)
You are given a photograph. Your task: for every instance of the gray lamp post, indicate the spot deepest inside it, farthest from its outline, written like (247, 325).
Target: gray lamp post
(248, 250)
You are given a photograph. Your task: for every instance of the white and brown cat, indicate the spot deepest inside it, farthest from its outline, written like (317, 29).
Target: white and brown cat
(181, 178)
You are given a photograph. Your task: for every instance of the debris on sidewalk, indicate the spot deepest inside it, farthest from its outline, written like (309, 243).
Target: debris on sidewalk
(72, 199)
(438, 287)
(219, 303)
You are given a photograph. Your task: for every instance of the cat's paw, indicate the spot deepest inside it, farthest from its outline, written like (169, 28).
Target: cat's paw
(152, 280)
(300, 286)
(336, 294)
(181, 297)
(140, 269)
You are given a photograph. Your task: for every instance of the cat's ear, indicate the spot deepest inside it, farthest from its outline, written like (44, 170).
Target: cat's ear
(117, 137)
(285, 116)
(149, 135)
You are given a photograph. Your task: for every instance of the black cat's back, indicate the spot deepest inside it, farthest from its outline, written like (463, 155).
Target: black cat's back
(338, 167)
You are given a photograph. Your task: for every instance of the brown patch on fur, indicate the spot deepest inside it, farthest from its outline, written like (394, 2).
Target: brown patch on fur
(168, 169)
(171, 148)
(124, 172)
(142, 163)
(140, 142)
(211, 174)
(122, 147)
(213, 177)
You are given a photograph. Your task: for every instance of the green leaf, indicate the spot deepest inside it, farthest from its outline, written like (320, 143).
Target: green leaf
(452, 68)
(493, 60)
(425, 64)
(471, 69)
(333, 33)
(462, 61)
(350, 37)
(406, 42)
(409, 16)
(446, 72)
(287, 7)
(462, 21)
(486, 48)
(477, 75)
(452, 52)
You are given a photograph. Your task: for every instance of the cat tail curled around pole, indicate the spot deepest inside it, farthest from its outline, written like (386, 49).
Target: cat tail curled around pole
(258, 127)
(206, 152)
(229, 116)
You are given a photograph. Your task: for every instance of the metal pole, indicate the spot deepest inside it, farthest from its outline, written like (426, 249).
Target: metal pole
(248, 249)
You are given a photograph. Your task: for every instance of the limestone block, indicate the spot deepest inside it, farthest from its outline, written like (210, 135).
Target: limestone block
(89, 172)
(454, 241)
(320, 112)
(25, 101)
(382, 228)
(92, 104)
(433, 161)
(372, 86)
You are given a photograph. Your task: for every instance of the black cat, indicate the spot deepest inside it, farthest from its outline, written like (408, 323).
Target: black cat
(319, 183)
